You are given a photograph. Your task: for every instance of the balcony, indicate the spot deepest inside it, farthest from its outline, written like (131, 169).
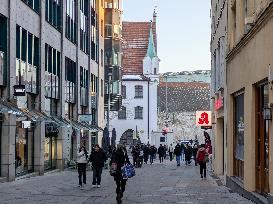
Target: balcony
(112, 58)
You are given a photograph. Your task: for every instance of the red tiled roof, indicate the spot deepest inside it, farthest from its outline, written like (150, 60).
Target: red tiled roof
(134, 45)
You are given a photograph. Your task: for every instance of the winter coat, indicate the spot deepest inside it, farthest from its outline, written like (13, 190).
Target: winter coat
(201, 154)
(146, 150)
(120, 158)
(98, 158)
(82, 157)
(152, 151)
(188, 153)
(161, 151)
(171, 149)
(177, 150)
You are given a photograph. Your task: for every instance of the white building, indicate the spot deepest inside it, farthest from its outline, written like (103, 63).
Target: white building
(138, 116)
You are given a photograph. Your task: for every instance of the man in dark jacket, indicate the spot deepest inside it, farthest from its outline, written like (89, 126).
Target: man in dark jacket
(177, 152)
(188, 154)
(161, 152)
(146, 152)
(97, 158)
(152, 154)
(120, 158)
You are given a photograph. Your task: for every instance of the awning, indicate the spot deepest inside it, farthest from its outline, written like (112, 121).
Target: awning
(8, 107)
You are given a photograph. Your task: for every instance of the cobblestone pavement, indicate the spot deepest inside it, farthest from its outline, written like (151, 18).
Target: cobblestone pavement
(157, 183)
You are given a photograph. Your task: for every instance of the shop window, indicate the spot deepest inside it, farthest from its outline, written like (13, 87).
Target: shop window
(138, 112)
(50, 155)
(239, 127)
(24, 150)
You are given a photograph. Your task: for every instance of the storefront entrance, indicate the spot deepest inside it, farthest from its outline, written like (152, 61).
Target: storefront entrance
(50, 155)
(262, 140)
(24, 150)
(127, 137)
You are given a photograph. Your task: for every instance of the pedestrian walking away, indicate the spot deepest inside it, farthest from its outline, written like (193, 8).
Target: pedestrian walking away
(194, 152)
(202, 157)
(177, 152)
(146, 152)
(161, 153)
(152, 154)
(82, 159)
(188, 154)
(119, 159)
(97, 158)
(171, 152)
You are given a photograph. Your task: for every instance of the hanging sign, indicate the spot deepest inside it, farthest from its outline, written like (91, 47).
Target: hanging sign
(26, 124)
(203, 118)
(19, 90)
(219, 103)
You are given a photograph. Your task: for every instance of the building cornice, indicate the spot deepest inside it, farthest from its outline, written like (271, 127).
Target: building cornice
(261, 21)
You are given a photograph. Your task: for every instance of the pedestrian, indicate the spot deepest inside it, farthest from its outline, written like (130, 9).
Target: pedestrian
(165, 151)
(177, 152)
(152, 154)
(146, 152)
(182, 152)
(202, 156)
(171, 152)
(134, 155)
(188, 154)
(120, 158)
(82, 156)
(97, 158)
(161, 152)
(194, 152)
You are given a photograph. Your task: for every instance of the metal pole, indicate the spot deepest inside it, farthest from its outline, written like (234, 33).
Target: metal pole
(166, 94)
(108, 106)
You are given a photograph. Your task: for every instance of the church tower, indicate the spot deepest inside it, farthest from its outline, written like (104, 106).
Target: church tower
(151, 60)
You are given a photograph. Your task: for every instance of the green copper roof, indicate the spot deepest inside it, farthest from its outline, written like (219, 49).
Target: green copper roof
(151, 47)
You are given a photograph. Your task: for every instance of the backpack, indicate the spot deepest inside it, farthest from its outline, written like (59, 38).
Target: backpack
(201, 156)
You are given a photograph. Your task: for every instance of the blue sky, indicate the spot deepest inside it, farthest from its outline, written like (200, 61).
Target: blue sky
(183, 28)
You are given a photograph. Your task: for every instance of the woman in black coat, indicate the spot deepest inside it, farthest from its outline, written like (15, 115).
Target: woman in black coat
(120, 157)
(188, 154)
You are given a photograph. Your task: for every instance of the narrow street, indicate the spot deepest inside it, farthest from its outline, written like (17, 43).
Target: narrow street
(157, 183)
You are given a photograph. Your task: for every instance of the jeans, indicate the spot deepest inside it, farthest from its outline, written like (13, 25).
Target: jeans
(161, 158)
(151, 158)
(178, 158)
(203, 168)
(82, 173)
(97, 175)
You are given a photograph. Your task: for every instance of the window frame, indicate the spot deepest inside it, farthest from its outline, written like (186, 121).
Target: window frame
(122, 114)
(138, 112)
(138, 91)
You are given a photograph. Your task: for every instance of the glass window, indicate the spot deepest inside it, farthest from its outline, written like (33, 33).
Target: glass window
(138, 91)
(122, 113)
(71, 31)
(123, 91)
(138, 112)
(53, 13)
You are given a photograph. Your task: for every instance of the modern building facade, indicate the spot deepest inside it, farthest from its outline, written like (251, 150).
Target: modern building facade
(112, 55)
(137, 118)
(218, 49)
(249, 98)
(51, 87)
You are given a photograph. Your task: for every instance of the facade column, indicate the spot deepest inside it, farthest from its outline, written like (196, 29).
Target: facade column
(271, 146)
(230, 138)
(218, 146)
(249, 139)
(8, 147)
(39, 147)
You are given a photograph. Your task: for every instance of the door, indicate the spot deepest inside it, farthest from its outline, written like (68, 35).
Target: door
(262, 141)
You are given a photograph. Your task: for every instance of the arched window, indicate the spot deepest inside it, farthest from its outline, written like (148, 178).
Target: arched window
(122, 113)
(138, 112)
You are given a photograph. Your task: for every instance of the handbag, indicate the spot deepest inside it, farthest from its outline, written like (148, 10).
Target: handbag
(113, 169)
(128, 171)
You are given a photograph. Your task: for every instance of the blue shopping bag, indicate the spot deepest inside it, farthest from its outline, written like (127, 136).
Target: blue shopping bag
(128, 171)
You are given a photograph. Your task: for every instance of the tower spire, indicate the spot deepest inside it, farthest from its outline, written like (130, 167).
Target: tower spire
(151, 46)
